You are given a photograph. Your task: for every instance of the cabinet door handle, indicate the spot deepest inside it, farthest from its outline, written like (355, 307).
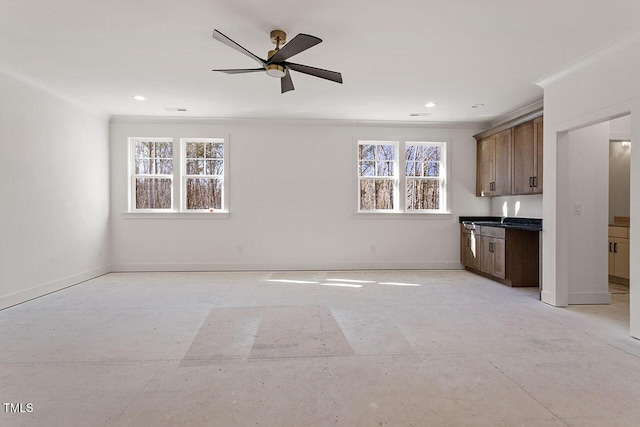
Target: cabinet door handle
(610, 250)
(490, 246)
(530, 181)
(535, 181)
(469, 242)
(615, 247)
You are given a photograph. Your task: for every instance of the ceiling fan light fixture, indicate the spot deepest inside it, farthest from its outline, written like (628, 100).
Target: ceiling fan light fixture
(275, 70)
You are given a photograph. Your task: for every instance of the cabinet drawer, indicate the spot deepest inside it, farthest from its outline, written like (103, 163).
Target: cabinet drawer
(618, 231)
(491, 232)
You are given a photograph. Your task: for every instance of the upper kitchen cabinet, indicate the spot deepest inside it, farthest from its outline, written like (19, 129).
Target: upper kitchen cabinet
(538, 135)
(526, 177)
(509, 158)
(494, 164)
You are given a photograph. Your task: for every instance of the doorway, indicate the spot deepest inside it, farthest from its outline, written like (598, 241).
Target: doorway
(619, 207)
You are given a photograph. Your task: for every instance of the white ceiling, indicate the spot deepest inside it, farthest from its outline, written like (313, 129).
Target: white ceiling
(394, 55)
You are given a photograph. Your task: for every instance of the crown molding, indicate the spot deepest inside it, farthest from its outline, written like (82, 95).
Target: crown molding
(229, 121)
(616, 45)
(534, 107)
(48, 89)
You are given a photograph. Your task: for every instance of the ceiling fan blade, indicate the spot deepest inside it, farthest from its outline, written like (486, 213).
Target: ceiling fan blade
(240, 70)
(334, 76)
(298, 44)
(286, 84)
(226, 40)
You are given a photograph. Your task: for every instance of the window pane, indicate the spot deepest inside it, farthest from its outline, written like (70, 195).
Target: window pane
(367, 194)
(411, 194)
(423, 194)
(214, 167)
(215, 150)
(153, 193)
(164, 166)
(413, 169)
(367, 168)
(204, 193)
(143, 166)
(164, 150)
(410, 152)
(432, 169)
(384, 194)
(195, 167)
(366, 152)
(194, 150)
(385, 152)
(142, 149)
(385, 169)
(432, 153)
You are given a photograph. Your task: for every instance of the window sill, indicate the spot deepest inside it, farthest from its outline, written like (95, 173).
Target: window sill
(403, 215)
(176, 215)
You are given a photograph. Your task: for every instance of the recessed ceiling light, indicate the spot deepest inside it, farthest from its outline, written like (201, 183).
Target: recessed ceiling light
(139, 98)
(419, 114)
(430, 104)
(477, 106)
(175, 109)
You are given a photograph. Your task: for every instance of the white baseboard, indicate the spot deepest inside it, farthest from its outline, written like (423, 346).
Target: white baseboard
(578, 298)
(56, 285)
(444, 265)
(47, 288)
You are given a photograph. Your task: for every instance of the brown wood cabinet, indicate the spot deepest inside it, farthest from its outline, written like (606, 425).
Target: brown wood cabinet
(538, 135)
(509, 161)
(494, 164)
(469, 248)
(509, 256)
(619, 252)
(526, 176)
(493, 257)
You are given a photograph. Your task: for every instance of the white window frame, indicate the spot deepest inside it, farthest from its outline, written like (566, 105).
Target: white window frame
(133, 176)
(185, 176)
(394, 177)
(178, 182)
(400, 189)
(442, 176)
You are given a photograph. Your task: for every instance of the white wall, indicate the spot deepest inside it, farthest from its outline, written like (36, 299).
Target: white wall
(54, 181)
(295, 213)
(587, 92)
(588, 225)
(527, 206)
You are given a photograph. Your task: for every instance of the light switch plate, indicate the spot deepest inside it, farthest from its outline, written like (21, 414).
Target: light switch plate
(577, 208)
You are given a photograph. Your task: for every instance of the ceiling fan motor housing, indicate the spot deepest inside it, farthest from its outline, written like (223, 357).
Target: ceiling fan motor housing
(275, 70)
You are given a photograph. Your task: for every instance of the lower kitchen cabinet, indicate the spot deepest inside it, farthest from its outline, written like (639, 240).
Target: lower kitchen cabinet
(509, 256)
(619, 252)
(470, 248)
(493, 257)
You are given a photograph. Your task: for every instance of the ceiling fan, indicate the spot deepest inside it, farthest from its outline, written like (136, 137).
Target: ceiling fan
(276, 65)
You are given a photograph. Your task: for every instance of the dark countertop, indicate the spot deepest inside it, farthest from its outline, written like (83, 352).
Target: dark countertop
(518, 223)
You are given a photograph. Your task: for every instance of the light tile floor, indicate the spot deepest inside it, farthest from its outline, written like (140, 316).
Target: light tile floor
(369, 348)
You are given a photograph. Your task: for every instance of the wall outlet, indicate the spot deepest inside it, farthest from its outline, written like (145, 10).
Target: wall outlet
(577, 208)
